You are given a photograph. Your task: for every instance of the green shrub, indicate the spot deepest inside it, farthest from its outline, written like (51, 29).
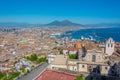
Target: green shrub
(81, 77)
(43, 59)
(72, 56)
(33, 57)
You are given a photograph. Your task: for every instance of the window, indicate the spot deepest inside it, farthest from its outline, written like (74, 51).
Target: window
(83, 66)
(111, 45)
(106, 68)
(110, 41)
(108, 45)
(53, 67)
(93, 58)
(90, 66)
(75, 69)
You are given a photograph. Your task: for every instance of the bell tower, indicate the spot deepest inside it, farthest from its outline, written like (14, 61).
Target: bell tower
(109, 48)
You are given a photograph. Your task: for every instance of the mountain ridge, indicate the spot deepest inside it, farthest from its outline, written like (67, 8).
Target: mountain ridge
(57, 23)
(63, 23)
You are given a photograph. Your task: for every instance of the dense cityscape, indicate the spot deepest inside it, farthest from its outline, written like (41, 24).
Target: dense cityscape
(39, 53)
(59, 39)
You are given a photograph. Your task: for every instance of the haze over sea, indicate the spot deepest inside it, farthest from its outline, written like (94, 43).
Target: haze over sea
(99, 34)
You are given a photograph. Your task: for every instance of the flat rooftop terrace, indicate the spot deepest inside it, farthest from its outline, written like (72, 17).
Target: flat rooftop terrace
(55, 75)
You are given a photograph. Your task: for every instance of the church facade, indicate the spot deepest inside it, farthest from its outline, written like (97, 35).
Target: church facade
(89, 60)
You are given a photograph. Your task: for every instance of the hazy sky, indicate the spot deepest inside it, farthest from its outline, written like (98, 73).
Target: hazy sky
(44, 11)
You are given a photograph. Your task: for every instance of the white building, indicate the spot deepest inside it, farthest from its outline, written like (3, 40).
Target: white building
(59, 62)
(23, 63)
(91, 61)
(51, 57)
(69, 50)
(110, 44)
(88, 60)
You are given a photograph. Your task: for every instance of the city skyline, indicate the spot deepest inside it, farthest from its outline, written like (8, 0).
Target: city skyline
(79, 11)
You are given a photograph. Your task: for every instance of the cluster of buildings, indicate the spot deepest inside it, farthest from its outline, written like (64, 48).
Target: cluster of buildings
(90, 57)
(22, 42)
(23, 63)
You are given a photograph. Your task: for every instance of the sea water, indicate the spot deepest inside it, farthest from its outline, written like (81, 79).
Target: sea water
(98, 34)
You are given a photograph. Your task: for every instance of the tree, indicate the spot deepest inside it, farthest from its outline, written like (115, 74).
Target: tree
(39, 60)
(61, 51)
(33, 57)
(13, 75)
(2, 75)
(24, 71)
(72, 56)
(43, 59)
(81, 77)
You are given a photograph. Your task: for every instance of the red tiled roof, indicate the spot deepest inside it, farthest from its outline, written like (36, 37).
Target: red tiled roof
(78, 45)
(70, 48)
(54, 75)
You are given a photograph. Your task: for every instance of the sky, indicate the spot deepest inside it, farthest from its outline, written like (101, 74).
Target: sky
(45, 11)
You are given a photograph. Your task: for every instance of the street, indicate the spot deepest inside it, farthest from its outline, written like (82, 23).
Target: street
(35, 72)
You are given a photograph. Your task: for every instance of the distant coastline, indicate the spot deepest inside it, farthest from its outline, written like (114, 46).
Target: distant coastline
(99, 34)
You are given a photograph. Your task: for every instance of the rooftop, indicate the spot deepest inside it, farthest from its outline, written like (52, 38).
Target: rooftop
(78, 45)
(70, 48)
(60, 60)
(55, 75)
